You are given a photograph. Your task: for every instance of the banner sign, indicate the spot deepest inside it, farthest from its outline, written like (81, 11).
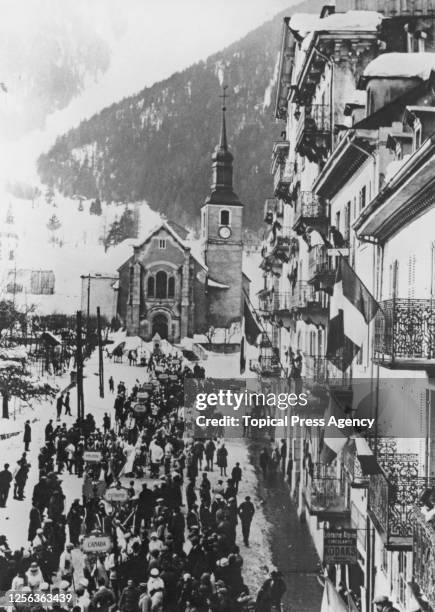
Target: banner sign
(339, 546)
(142, 396)
(92, 456)
(116, 495)
(140, 408)
(97, 544)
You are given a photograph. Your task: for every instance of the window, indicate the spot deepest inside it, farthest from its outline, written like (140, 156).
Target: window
(42, 283)
(171, 287)
(384, 560)
(346, 232)
(362, 198)
(162, 243)
(150, 287)
(161, 285)
(421, 42)
(411, 276)
(225, 217)
(337, 220)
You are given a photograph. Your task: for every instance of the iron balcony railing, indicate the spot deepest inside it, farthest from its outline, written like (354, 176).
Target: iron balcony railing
(391, 506)
(405, 330)
(270, 207)
(309, 208)
(266, 365)
(312, 120)
(423, 558)
(324, 493)
(321, 371)
(281, 179)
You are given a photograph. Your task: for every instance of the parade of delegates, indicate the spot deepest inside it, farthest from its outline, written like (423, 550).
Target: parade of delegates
(150, 532)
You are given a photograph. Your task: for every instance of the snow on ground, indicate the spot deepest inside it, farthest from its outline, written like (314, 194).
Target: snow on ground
(14, 518)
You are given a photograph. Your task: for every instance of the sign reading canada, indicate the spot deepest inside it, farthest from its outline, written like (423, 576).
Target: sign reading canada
(97, 544)
(92, 456)
(339, 546)
(116, 495)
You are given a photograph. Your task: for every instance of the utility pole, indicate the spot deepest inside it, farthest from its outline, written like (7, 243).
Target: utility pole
(88, 309)
(79, 366)
(100, 354)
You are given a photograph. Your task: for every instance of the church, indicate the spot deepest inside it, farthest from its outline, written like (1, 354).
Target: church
(175, 287)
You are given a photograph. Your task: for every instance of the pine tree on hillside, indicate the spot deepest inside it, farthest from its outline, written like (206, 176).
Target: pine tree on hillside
(53, 223)
(126, 227)
(95, 208)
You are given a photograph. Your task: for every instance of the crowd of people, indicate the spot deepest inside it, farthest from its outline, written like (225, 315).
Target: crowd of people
(171, 531)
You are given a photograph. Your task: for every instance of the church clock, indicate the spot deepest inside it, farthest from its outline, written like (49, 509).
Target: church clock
(225, 232)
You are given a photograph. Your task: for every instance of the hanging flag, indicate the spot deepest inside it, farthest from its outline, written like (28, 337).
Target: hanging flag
(250, 327)
(352, 307)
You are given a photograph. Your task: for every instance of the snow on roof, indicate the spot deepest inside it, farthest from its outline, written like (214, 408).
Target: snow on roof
(351, 20)
(13, 352)
(406, 65)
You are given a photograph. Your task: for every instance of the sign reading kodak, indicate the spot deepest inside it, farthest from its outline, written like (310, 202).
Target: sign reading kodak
(339, 546)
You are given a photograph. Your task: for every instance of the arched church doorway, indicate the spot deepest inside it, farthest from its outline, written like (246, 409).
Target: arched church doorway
(160, 326)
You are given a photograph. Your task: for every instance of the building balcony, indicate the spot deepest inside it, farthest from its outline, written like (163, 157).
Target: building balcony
(313, 131)
(423, 546)
(310, 212)
(405, 334)
(266, 365)
(282, 179)
(391, 507)
(320, 371)
(322, 266)
(282, 244)
(280, 152)
(270, 207)
(305, 302)
(325, 495)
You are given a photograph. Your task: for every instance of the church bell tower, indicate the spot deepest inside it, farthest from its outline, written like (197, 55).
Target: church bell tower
(222, 232)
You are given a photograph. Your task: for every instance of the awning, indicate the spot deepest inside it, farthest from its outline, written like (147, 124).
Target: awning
(332, 602)
(216, 285)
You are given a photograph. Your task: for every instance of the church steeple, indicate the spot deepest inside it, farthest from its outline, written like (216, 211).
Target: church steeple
(222, 166)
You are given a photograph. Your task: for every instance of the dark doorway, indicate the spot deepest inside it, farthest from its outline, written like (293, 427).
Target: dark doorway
(160, 326)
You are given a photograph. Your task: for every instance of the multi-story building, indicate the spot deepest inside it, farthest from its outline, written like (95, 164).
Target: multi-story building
(352, 179)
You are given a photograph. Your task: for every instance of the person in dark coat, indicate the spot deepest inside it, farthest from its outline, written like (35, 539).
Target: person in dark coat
(21, 477)
(59, 404)
(246, 513)
(41, 494)
(49, 430)
(129, 600)
(66, 403)
(190, 494)
(74, 519)
(236, 476)
(34, 523)
(209, 449)
(27, 438)
(264, 461)
(5, 484)
(221, 458)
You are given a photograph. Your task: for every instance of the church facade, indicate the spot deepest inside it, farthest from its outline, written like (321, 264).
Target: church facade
(170, 287)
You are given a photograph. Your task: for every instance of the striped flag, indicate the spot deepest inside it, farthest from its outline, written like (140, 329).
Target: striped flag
(352, 307)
